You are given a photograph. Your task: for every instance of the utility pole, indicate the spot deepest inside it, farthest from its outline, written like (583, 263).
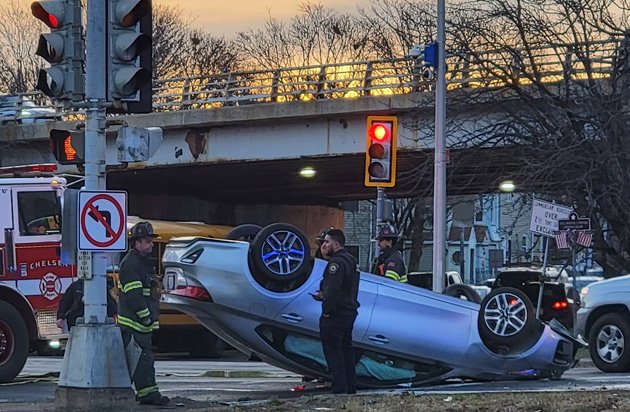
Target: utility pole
(439, 196)
(94, 374)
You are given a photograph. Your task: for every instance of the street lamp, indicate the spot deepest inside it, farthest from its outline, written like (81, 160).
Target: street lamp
(507, 186)
(308, 172)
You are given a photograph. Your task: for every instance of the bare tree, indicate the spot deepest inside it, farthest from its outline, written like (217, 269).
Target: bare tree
(317, 35)
(179, 50)
(18, 42)
(397, 25)
(557, 72)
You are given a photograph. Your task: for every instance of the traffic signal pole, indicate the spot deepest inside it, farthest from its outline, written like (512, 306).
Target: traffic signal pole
(439, 185)
(94, 374)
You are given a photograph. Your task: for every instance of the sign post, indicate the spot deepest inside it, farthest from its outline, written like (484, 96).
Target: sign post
(94, 374)
(574, 231)
(544, 221)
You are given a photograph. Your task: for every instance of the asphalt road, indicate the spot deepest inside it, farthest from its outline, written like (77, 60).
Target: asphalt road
(235, 379)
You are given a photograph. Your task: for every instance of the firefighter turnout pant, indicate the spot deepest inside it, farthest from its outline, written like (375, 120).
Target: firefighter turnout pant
(143, 376)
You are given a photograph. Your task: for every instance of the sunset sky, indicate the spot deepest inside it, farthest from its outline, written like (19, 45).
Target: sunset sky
(226, 17)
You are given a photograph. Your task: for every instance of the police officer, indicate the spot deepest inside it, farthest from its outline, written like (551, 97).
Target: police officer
(338, 294)
(319, 240)
(138, 313)
(390, 262)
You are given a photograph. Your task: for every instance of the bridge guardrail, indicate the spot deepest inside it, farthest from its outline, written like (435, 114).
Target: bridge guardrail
(486, 69)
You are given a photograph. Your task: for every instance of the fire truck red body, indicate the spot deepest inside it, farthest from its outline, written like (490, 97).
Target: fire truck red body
(32, 277)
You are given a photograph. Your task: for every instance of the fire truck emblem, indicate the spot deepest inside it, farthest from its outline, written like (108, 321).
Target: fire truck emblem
(50, 286)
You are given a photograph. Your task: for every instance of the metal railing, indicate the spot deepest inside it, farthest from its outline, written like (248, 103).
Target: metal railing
(487, 69)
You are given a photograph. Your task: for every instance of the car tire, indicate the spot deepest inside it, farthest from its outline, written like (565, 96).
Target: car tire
(208, 346)
(246, 232)
(507, 321)
(606, 343)
(280, 252)
(463, 292)
(14, 350)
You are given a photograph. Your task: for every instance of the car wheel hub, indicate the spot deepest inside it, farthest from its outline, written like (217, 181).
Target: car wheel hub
(610, 343)
(283, 252)
(505, 314)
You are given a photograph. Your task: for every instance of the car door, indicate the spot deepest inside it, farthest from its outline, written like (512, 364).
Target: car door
(303, 312)
(415, 322)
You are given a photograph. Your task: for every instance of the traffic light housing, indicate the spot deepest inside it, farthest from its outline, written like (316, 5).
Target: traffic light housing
(380, 153)
(138, 144)
(129, 66)
(63, 48)
(68, 146)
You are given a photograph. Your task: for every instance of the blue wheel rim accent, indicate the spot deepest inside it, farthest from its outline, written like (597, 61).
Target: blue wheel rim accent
(283, 252)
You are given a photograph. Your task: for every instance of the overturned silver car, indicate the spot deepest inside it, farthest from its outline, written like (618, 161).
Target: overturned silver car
(255, 296)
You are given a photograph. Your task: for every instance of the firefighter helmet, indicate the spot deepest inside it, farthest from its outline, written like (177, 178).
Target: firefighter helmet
(140, 230)
(387, 232)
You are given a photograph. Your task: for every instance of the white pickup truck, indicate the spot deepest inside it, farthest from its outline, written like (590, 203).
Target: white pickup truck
(604, 320)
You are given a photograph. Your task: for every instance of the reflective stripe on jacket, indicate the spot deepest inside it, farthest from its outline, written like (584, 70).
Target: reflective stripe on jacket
(137, 309)
(391, 265)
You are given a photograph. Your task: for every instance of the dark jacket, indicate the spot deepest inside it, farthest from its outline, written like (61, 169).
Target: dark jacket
(138, 299)
(390, 264)
(71, 305)
(340, 286)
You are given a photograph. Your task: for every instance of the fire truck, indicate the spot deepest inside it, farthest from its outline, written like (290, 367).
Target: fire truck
(32, 275)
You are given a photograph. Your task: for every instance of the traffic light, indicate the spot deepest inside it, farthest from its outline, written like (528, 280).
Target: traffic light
(63, 48)
(380, 153)
(129, 66)
(68, 146)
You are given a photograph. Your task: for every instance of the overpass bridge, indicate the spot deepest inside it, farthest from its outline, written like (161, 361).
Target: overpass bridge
(243, 137)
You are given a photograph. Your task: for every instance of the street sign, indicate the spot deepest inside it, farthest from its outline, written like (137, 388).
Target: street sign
(575, 223)
(102, 221)
(84, 265)
(545, 217)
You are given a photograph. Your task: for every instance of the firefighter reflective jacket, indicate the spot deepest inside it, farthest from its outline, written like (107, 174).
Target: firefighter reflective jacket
(138, 299)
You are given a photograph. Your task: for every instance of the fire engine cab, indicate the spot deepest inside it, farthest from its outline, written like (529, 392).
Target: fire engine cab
(32, 277)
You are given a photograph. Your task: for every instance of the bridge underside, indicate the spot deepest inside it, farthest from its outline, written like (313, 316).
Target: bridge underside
(340, 178)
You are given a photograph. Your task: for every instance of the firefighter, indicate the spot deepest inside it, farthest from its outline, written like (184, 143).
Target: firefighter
(71, 305)
(138, 312)
(390, 262)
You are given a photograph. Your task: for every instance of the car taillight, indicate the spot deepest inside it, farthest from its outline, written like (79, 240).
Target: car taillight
(194, 292)
(560, 304)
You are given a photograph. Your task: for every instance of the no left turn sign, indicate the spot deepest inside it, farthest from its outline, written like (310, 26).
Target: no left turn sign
(102, 221)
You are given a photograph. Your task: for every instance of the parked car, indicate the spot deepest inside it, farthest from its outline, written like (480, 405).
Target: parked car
(453, 285)
(559, 301)
(20, 109)
(257, 298)
(604, 320)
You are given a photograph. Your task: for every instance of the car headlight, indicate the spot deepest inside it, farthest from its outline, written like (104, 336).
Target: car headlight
(583, 296)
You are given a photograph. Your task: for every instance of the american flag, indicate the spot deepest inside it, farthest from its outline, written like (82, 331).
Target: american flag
(561, 240)
(565, 239)
(585, 238)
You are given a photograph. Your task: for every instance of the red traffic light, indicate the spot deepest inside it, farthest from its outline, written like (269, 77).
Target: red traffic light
(380, 132)
(380, 153)
(50, 12)
(129, 12)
